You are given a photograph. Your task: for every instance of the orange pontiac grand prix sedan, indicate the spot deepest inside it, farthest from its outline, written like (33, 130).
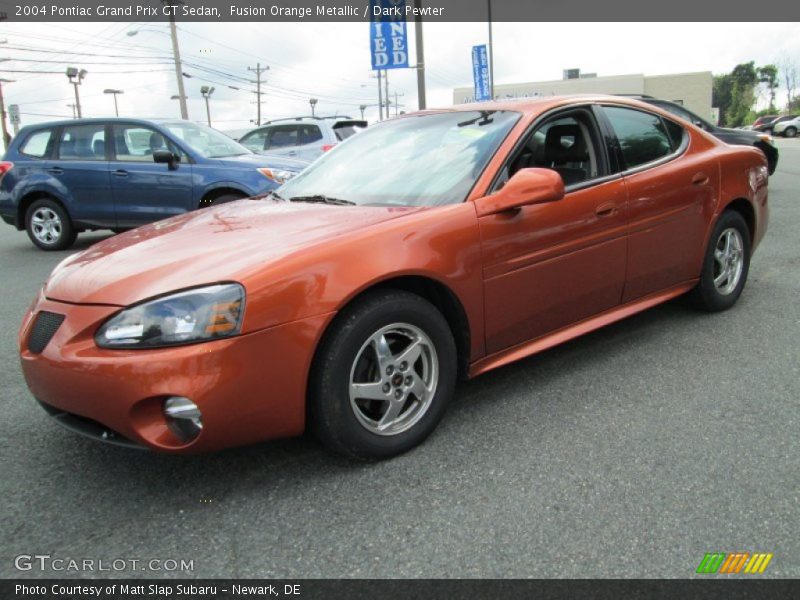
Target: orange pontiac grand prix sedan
(434, 246)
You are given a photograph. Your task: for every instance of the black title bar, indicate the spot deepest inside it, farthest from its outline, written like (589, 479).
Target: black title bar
(429, 10)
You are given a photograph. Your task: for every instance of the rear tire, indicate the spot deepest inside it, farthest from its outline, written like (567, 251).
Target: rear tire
(726, 264)
(383, 376)
(49, 226)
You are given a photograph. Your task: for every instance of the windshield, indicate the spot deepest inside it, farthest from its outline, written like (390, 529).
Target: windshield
(207, 142)
(422, 160)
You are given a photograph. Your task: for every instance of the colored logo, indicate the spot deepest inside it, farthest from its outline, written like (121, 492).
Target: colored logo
(734, 562)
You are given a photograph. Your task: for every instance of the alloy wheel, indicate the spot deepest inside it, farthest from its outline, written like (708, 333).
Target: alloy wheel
(46, 225)
(728, 261)
(393, 379)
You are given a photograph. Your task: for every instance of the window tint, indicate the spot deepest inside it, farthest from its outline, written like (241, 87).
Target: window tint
(134, 143)
(83, 142)
(346, 130)
(310, 134)
(256, 140)
(285, 135)
(642, 136)
(37, 144)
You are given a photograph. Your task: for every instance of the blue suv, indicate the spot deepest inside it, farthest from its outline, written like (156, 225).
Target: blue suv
(61, 178)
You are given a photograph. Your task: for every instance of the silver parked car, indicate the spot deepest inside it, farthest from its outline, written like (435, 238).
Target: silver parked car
(305, 138)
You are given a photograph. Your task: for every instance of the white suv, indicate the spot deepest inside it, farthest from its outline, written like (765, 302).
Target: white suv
(305, 138)
(787, 128)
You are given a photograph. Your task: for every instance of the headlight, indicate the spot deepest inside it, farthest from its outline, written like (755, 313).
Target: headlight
(194, 315)
(277, 175)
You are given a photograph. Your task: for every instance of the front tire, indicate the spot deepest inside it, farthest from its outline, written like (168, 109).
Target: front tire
(726, 264)
(220, 199)
(790, 132)
(383, 376)
(49, 226)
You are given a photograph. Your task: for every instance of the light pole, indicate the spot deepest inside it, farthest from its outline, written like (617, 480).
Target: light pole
(114, 93)
(176, 54)
(313, 103)
(76, 77)
(6, 136)
(362, 108)
(206, 92)
(74, 115)
(420, 57)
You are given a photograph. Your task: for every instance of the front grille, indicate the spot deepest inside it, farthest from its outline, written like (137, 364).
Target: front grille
(43, 330)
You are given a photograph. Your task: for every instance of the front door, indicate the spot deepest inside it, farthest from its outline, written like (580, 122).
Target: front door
(145, 191)
(550, 265)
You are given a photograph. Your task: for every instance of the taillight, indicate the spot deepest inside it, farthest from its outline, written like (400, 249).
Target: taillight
(5, 167)
(327, 147)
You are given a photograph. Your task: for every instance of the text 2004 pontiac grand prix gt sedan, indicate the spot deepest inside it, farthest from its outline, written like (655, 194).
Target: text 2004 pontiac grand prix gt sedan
(437, 245)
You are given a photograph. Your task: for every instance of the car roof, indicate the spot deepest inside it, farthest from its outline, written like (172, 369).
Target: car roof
(93, 120)
(540, 104)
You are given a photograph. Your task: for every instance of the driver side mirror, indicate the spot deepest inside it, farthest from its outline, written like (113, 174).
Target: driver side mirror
(167, 157)
(526, 187)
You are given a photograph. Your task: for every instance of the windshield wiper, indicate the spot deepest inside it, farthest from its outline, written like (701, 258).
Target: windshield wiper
(276, 195)
(321, 199)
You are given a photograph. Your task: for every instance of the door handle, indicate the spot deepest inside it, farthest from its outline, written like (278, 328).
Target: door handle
(56, 171)
(121, 173)
(292, 153)
(700, 179)
(606, 210)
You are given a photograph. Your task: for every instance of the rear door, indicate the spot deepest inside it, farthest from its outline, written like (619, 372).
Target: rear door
(671, 193)
(81, 169)
(145, 191)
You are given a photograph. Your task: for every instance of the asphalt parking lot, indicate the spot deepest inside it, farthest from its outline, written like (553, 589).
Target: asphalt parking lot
(629, 453)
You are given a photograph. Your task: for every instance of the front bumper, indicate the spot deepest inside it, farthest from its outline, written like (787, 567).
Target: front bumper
(250, 388)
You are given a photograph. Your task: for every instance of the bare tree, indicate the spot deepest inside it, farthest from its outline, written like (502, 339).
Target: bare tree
(789, 70)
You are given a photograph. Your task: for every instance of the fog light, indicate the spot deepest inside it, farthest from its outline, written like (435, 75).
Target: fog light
(183, 417)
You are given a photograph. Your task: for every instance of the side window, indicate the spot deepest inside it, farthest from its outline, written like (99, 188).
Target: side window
(676, 133)
(83, 142)
(642, 136)
(567, 144)
(310, 134)
(256, 141)
(38, 144)
(282, 136)
(134, 143)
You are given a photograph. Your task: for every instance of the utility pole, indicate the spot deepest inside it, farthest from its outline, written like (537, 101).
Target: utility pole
(258, 71)
(6, 136)
(72, 106)
(491, 51)
(386, 82)
(176, 54)
(420, 57)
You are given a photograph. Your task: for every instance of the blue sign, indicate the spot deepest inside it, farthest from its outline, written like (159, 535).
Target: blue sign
(480, 73)
(388, 39)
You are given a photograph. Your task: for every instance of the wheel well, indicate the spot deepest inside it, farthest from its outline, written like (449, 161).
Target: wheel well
(444, 300)
(744, 208)
(212, 195)
(29, 199)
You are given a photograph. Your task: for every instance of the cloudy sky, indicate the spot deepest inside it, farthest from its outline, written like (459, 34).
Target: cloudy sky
(332, 63)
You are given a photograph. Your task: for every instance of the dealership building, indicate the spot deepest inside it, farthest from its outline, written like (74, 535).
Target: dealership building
(692, 90)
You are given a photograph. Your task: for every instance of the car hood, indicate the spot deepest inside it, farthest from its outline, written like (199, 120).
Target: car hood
(223, 243)
(265, 160)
